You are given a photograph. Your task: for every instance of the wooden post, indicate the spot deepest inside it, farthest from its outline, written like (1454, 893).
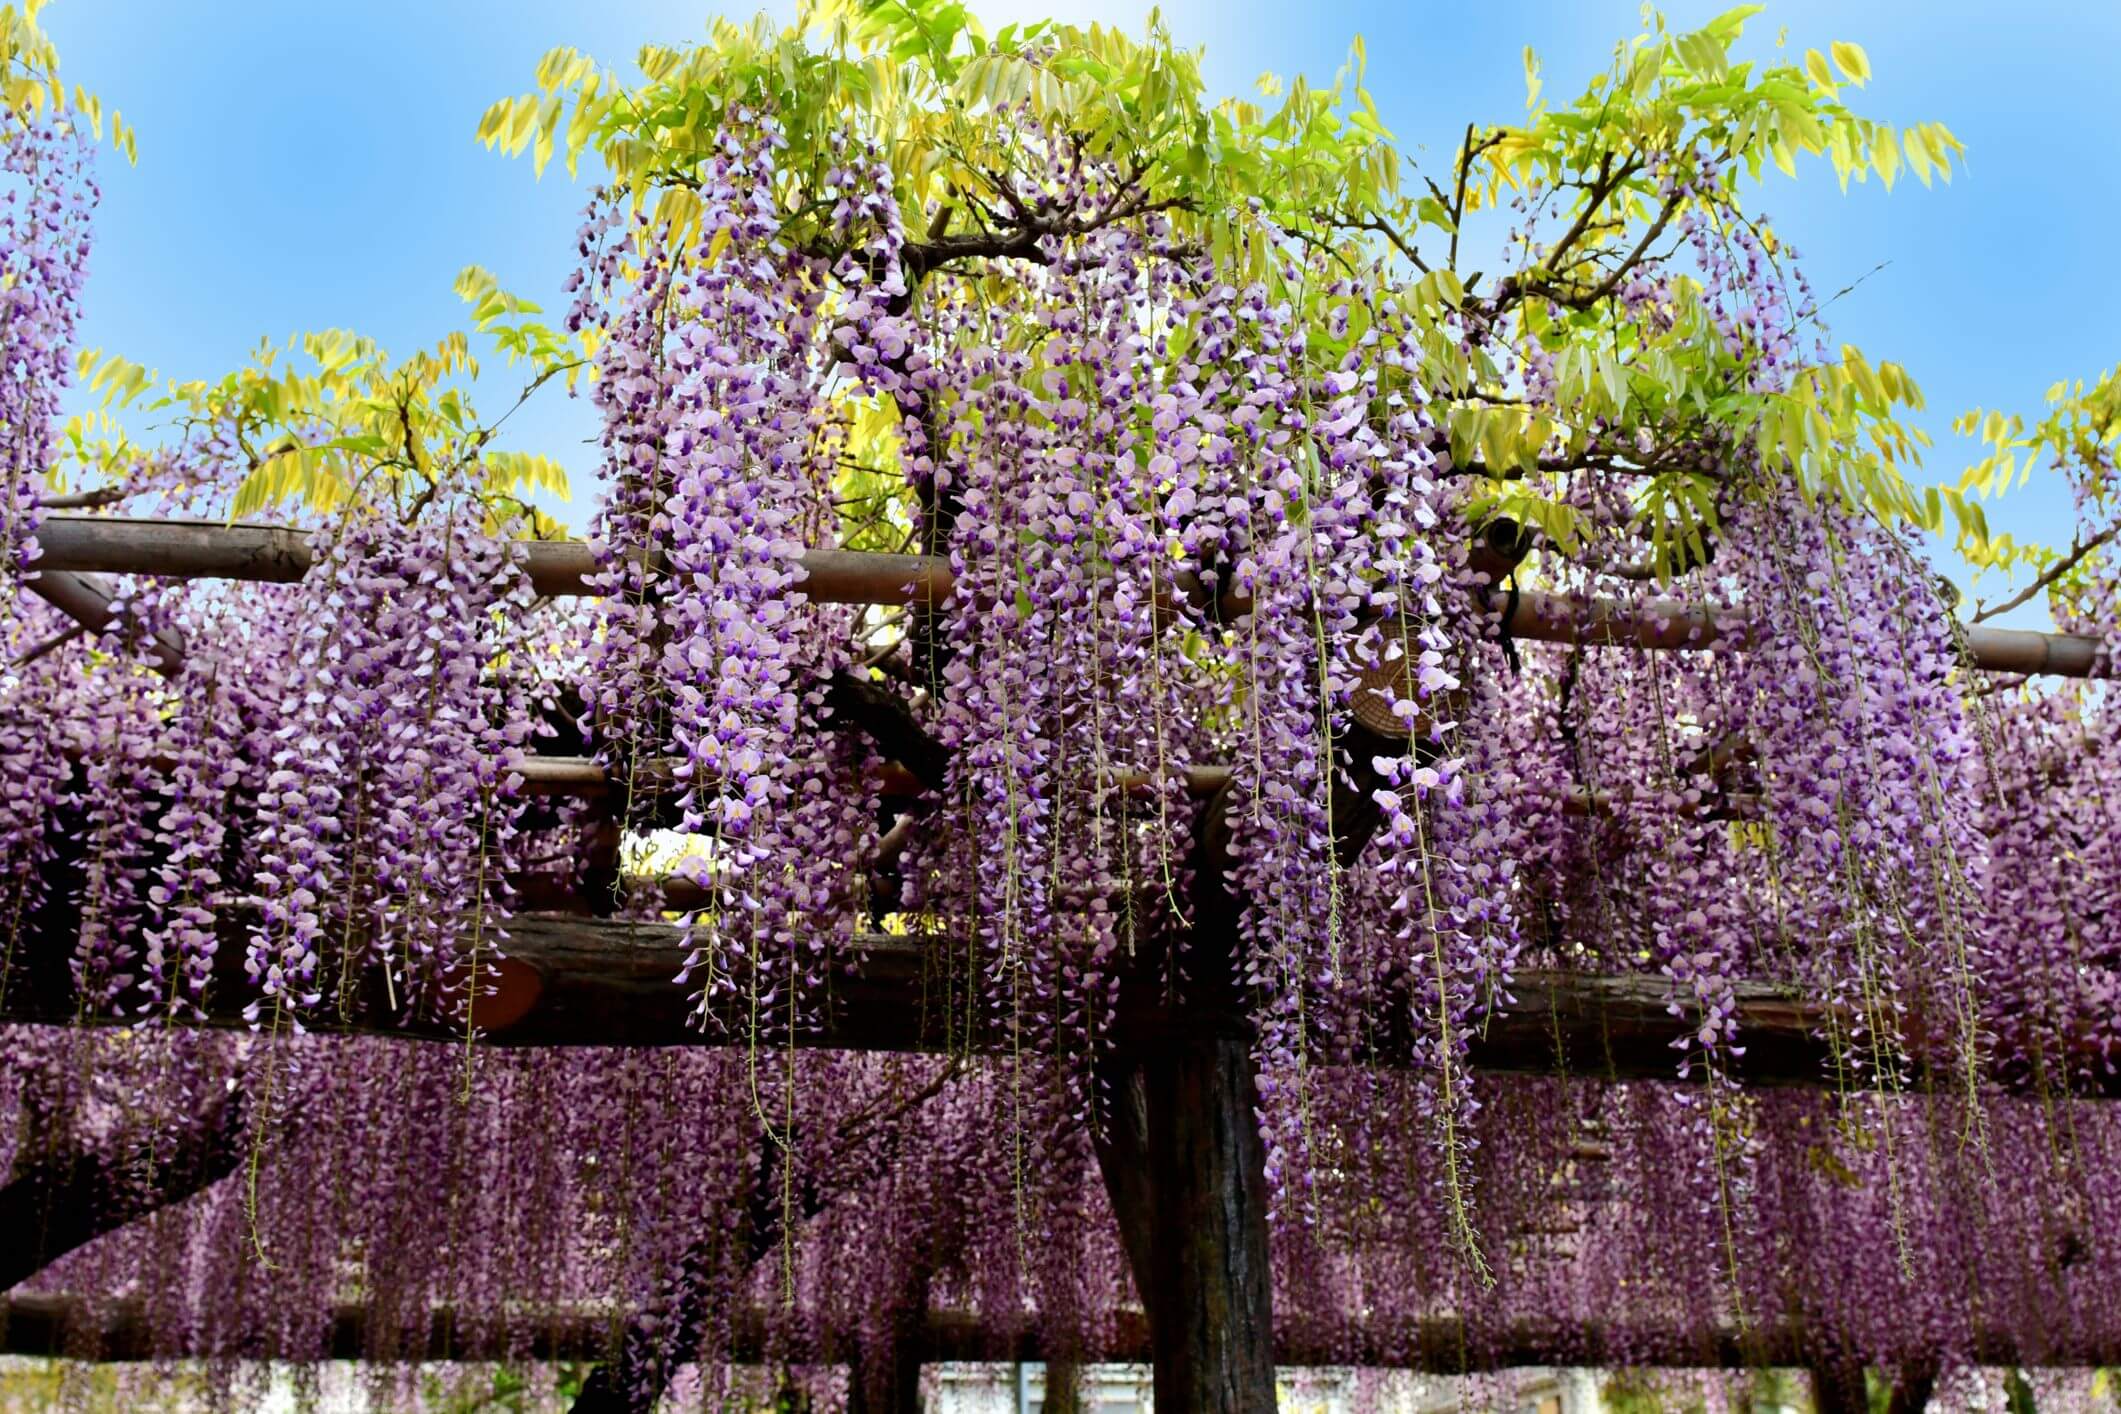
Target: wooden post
(1063, 1388)
(1912, 1388)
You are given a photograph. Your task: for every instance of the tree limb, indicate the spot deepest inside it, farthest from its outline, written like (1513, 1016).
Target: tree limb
(886, 719)
(2079, 548)
(85, 500)
(662, 1337)
(58, 1202)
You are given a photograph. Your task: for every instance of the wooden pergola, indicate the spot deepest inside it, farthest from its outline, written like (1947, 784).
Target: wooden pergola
(1182, 1159)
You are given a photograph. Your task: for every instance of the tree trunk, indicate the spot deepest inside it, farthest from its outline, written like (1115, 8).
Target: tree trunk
(1183, 1143)
(1212, 1317)
(897, 1393)
(1185, 1168)
(1839, 1388)
(656, 1343)
(1062, 1388)
(1912, 1388)
(886, 1379)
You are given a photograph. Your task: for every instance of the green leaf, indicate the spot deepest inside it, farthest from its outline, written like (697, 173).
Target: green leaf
(1615, 379)
(1918, 157)
(1852, 61)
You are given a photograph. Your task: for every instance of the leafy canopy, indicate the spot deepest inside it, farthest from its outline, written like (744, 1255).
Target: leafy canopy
(331, 417)
(1252, 183)
(1674, 128)
(29, 80)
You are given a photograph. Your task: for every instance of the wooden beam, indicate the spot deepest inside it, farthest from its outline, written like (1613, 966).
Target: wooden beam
(570, 981)
(209, 550)
(269, 554)
(122, 1332)
(587, 777)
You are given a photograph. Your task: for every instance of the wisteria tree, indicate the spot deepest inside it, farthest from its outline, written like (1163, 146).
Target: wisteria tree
(1173, 737)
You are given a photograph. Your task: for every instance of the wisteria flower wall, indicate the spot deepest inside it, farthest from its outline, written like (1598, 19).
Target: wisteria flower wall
(1220, 722)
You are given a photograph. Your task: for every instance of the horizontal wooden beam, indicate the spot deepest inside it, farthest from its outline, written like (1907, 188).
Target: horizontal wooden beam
(58, 1324)
(270, 554)
(585, 776)
(569, 981)
(209, 550)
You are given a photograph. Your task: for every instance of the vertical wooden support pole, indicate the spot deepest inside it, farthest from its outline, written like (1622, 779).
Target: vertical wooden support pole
(1912, 1387)
(886, 1379)
(1063, 1387)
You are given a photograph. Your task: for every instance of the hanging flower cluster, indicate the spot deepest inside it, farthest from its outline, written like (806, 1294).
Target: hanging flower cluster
(384, 825)
(48, 197)
(46, 201)
(709, 665)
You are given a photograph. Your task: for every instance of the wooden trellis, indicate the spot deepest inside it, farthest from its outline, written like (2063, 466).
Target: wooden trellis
(1183, 1160)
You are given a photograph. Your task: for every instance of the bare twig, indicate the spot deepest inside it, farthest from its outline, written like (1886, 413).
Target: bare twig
(1467, 151)
(1381, 227)
(2079, 548)
(51, 645)
(85, 500)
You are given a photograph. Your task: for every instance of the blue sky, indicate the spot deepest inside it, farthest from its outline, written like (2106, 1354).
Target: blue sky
(311, 165)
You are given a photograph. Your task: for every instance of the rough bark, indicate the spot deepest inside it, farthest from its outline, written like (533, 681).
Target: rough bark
(1122, 1143)
(1212, 1327)
(1208, 1281)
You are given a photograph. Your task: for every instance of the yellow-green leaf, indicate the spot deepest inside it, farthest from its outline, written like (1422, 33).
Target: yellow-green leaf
(1852, 61)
